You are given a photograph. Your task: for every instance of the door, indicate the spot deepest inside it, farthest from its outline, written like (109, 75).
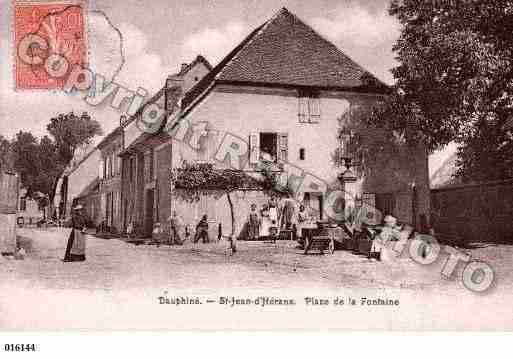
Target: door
(148, 213)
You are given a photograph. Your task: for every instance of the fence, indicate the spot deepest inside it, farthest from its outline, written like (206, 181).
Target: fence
(474, 212)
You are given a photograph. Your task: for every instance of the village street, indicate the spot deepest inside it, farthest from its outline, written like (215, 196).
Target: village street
(118, 276)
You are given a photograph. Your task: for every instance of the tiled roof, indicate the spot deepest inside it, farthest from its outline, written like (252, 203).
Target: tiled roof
(153, 99)
(285, 51)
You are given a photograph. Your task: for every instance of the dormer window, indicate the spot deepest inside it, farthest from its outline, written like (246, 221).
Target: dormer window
(309, 106)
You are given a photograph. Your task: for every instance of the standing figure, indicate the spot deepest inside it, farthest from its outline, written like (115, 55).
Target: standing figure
(176, 226)
(75, 250)
(253, 223)
(273, 211)
(302, 219)
(265, 221)
(202, 230)
(288, 214)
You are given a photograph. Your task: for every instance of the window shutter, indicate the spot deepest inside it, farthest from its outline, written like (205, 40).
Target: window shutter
(314, 107)
(303, 109)
(100, 169)
(283, 147)
(254, 147)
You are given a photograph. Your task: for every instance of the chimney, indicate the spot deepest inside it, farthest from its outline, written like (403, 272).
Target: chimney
(173, 92)
(184, 66)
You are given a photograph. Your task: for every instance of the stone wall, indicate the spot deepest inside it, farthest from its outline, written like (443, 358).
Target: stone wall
(476, 212)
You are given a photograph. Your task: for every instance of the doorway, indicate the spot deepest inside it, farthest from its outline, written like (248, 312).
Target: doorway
(148, 213)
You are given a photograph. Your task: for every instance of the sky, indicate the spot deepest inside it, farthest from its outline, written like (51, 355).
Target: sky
(159, 35)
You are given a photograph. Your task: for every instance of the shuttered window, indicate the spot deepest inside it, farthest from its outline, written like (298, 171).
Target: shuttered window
(283, 143)
(309, 106)
(303, 109)
(268, 146)
(254, 147)
(101, 169)
(314, 107)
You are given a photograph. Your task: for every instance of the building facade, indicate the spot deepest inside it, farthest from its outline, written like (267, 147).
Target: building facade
(280, 96)
(144, 159)
(109, 175)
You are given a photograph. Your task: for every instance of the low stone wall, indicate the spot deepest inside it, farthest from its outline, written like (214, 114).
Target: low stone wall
(218, 211)
(473, 212)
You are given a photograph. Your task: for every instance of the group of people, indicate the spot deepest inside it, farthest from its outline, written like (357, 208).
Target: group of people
(282, 216)
(260, 223)
(180, 232)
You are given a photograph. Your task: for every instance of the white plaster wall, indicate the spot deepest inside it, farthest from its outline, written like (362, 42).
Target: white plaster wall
(83, 175)
(243, 113)
(194, 75)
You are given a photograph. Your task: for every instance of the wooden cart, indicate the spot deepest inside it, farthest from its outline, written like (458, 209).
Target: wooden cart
(320, 240)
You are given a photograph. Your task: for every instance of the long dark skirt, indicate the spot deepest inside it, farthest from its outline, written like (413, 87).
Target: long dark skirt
(75, 250)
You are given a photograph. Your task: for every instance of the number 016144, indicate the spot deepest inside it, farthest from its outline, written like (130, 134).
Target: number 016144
(20, 347)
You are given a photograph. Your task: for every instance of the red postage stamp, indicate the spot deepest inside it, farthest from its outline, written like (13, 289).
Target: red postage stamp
(49, 38)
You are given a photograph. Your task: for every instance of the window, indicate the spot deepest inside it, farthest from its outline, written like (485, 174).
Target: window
(131, 169)
(111, 169)
(148, 166)
(301, 153)
(152, 166)
(268, 146)
(309, 106)
(101, 169)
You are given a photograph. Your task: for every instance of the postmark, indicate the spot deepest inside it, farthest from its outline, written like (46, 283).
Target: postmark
(49, 39)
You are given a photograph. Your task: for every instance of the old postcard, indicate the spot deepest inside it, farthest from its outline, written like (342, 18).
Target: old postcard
(228, 165)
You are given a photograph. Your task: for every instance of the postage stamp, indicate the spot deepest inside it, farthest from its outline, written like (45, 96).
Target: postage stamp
(48, 35)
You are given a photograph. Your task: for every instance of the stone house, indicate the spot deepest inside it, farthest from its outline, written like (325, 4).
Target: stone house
(94, 178)
(76, 180)
(134, 181)
(279, 96)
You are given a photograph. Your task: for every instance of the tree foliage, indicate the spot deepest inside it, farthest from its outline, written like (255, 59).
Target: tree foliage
(376, 148)
(69, 131)
(40, 162)
(455, 80)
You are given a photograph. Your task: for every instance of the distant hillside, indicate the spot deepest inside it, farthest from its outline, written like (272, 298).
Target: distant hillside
(443, 175)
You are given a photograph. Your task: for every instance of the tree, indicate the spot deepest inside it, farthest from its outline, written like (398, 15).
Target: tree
(455, 80)
(70, 131)
(377, 147)
(41, 163)
(26, 163)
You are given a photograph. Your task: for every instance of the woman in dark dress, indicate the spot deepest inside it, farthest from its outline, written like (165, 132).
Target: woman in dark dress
(75, 250)
(253, 223)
